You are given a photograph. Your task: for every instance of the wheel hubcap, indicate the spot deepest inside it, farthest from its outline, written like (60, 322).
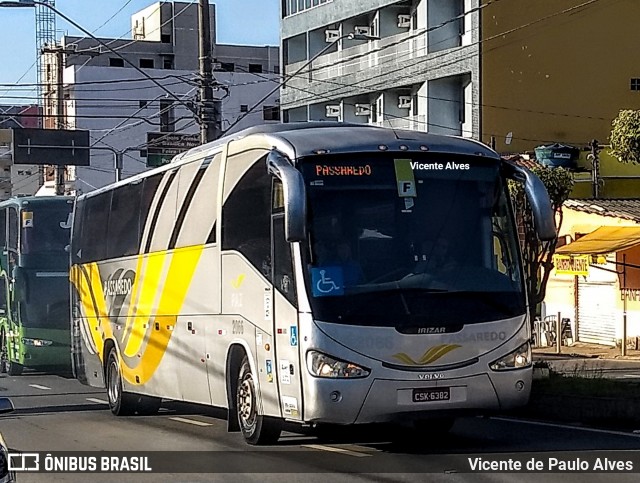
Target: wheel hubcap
(246, 407)
(114, 383)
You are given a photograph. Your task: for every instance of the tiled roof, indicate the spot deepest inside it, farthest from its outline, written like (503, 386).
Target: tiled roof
(627, 208)
(521, 161)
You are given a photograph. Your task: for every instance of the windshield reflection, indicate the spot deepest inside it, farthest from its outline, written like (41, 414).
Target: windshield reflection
(446, 254)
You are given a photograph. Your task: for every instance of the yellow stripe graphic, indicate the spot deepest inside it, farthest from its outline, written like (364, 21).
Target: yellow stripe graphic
(183, 266)
(430, 355)
(149, 281)
(134, 298)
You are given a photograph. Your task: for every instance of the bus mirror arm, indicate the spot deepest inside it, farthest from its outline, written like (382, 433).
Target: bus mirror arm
(538, 199)
(295, 201)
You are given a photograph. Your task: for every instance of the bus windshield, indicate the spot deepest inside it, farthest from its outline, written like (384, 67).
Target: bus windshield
(48, 306)
(45, 229)
(410, 242)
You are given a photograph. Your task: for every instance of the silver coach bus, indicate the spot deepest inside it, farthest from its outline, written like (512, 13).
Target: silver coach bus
(311, 273)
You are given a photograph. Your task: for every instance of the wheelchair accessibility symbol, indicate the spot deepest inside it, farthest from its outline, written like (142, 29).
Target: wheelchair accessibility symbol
(327, 281)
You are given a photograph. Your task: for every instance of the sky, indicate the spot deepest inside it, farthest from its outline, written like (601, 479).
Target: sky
(250, 22)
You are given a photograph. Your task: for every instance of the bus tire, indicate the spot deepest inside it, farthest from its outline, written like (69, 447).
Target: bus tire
(13, 368)
(148, 405)
(4, 353)
(120, 402)
(256, 428)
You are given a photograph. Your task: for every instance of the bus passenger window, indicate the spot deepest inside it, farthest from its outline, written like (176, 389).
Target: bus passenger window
(94, 234)
(246, 218)
(124, 235)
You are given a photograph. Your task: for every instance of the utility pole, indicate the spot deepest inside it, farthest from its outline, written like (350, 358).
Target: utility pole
(209, 129)
(595, 169)
(59, 52)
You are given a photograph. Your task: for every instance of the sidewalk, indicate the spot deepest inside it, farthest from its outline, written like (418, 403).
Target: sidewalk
(585, 351)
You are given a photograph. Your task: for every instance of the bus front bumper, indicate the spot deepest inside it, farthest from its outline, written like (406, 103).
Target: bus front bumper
(384, 400)
(55, 356)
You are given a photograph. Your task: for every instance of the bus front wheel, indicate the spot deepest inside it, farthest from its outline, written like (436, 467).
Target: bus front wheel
(8, 367)
(256, 428)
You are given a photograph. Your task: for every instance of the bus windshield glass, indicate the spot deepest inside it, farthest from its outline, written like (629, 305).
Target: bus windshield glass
(45, 229)
(411, 242)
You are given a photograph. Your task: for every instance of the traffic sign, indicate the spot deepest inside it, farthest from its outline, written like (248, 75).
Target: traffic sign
(162, 147)
(50, 146)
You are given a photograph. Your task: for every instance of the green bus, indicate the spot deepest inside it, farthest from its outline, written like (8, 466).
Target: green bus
(34, 283)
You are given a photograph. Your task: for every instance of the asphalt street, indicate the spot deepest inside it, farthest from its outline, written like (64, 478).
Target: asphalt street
(55, 414)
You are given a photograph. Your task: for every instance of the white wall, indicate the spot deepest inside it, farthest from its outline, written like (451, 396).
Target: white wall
(120, 99)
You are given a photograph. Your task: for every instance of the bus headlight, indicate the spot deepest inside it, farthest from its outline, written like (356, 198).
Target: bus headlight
(519, 358)
(36, 342)
(322, 365)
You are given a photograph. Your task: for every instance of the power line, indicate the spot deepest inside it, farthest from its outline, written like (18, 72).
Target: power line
(113, 16)
(106, 81)
(443, 54)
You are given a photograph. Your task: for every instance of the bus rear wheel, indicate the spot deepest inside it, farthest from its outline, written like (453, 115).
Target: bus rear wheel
(123, 403)
(256, 428)
(120, 402)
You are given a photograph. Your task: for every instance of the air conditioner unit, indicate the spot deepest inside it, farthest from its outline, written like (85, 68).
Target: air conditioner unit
(331, 35)
(404, 21)
(363, 109)
(333, 111)
(362, 30)
(404, 102)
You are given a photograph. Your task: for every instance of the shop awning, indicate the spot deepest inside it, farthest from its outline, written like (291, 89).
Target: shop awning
(606, 239)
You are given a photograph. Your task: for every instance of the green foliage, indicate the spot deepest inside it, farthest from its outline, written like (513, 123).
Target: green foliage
(625, 137)
(538, 255)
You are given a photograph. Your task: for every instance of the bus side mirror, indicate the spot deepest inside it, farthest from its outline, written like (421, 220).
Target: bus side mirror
(295, 200)
(538, 197)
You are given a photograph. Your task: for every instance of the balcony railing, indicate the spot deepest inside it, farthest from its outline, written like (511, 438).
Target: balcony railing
(398, 48)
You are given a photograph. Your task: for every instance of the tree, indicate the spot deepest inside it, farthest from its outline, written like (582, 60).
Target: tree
(625, 137)
(537, 254)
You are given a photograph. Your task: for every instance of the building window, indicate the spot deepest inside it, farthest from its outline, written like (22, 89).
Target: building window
(276, 69)
(255, 68)
(143, 104)
(227, 66)
(143, 153)
(294, 6)
(167, 117)
(271, 113)
(635, 84)
(146, 63)
(244, 108)
(167, 63)
(165, 38)
(116, 62)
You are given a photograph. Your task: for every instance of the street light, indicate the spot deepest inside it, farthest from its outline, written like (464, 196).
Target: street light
(32, 3)
(350, 36)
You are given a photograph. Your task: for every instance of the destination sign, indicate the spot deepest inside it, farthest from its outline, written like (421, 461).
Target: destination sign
(333, 170)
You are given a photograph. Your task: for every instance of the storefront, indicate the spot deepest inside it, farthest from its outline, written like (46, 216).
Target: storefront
(605, 267)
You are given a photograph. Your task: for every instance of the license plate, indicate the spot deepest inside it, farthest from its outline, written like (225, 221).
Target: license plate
(431, 394)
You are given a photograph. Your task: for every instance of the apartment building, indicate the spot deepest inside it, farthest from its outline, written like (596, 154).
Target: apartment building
(123, 108)
(411, 64)
(17, 179)
(515, 74)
